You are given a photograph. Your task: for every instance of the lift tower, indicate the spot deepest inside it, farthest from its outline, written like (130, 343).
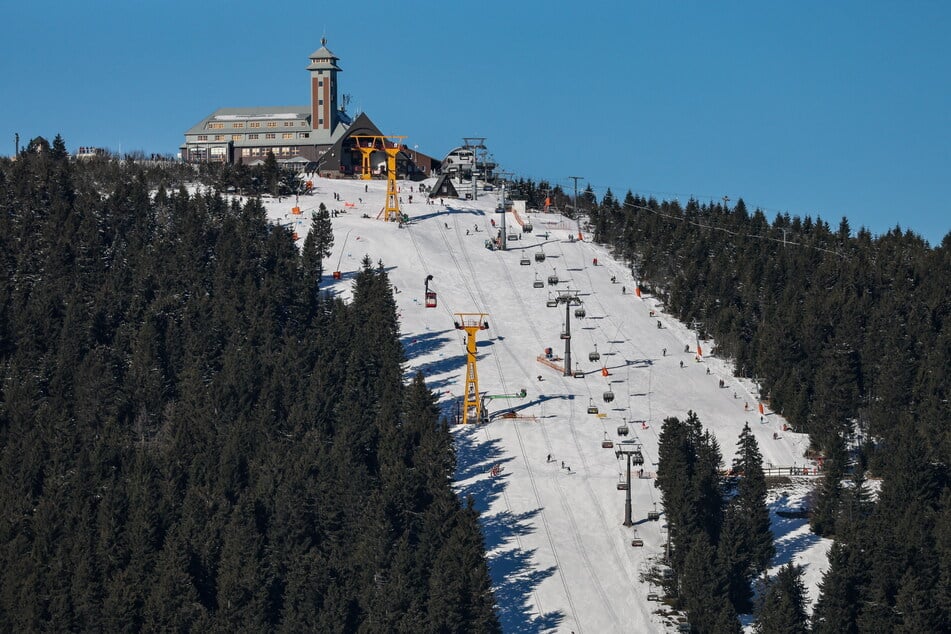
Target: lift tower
(471, 404)
(634, 455)
(367, 148)
(569, 299)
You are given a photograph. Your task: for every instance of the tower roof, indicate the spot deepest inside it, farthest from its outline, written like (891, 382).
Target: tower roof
(323, 58)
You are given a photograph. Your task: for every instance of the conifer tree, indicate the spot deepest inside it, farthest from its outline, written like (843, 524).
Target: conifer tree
(782, 609)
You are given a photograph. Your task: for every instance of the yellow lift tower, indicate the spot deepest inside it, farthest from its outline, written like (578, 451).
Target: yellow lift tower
(471, 404)
(391, 144)
(366, 150)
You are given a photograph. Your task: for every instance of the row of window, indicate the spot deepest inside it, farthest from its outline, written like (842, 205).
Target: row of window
(256, 124)
(291, 150)
(255, 137)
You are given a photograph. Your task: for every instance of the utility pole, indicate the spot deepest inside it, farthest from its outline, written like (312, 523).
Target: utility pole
(16, 135)
(634, 455)
(569, 299)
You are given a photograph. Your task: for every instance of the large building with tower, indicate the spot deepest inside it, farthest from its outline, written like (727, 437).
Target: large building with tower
(312, 137)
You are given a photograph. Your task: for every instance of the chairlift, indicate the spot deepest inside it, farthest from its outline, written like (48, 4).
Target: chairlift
(527, 227)
(637, 542)
(538, 283)
(565, 334)
(552, 302)
(621, 482)
(580, 312)
(578, 374)
(594, 356)
(525, 261)
(608, 396)
(653, 596)
(540, 256)
(622, 430)
(607, 443)
(653, 516)
(592, 408)
(552, 280)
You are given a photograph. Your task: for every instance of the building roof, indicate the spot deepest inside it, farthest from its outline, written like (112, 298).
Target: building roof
(297, 114)
(323, 58)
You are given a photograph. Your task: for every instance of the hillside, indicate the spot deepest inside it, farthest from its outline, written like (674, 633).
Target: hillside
(559, 556)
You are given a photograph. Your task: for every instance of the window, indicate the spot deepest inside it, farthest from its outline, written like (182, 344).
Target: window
(252, 137)
(303, 135)
(288, 124)
(320, 82)
(287, 135)
(269, 135)
(321, 122)
(320, 102)
(219, 137)
(254, 124)
(272, 124)
(245, 151)
(236, 137)
(216, 126)
(202, 137)
(239, 125)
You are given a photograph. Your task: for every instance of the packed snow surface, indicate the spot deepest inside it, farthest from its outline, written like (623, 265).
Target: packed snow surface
(559, 556)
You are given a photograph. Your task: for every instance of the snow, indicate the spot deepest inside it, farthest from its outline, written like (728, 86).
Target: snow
(560, 558)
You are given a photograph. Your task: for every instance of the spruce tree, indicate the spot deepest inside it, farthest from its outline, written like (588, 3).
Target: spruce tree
(782, 609)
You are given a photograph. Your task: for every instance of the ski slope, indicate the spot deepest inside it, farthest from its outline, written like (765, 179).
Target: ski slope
(560, 558)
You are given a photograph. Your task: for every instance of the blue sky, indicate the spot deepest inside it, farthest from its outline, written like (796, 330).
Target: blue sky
(815, 108)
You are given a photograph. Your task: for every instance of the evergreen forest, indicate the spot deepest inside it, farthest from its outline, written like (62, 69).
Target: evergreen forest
(194, 438)
(849, 337)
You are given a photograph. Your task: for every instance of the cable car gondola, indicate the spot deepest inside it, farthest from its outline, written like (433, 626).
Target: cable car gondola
(430, 296)
(540, 256)
(527, 227)
(608, 396)
(552, 280)
(594, 356)
(622, 430)
(580, 312)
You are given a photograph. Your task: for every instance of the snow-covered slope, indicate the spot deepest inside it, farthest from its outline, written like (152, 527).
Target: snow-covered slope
(560, 558)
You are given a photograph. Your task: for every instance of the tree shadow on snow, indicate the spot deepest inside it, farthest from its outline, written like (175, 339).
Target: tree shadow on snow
(514, 578)
(418, 345)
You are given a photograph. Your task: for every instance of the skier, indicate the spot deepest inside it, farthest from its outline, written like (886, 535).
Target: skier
(549, 458)
(664, 352)
(681, 363)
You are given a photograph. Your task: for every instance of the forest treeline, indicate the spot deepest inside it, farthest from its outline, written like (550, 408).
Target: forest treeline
(192, 437)
(849, 337)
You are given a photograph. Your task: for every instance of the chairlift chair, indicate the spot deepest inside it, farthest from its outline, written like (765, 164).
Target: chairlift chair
(594, 356)
(637, 542)
(565, 334)
(592, 408)
(525, 261)
(430, 299)
(552, 302)
(578, 374)
(653, 516)
(607, 443)
(538, 283)
(653, 596)
(621, 482)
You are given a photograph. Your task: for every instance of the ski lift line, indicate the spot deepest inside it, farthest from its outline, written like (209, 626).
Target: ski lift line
(545, 433)
(419, 254)
(711, 199)
(784, 242)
